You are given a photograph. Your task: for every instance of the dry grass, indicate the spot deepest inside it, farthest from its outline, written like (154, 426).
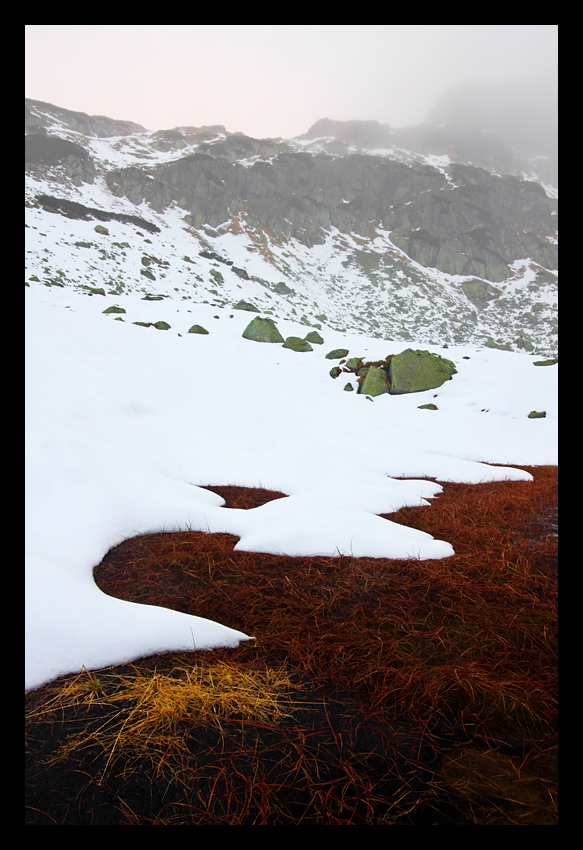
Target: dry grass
(142, 712)
(367, 679)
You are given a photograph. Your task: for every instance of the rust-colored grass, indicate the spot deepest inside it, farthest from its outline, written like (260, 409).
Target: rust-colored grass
(392, 668)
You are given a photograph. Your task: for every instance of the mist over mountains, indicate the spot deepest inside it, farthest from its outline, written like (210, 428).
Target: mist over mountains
(444, 232)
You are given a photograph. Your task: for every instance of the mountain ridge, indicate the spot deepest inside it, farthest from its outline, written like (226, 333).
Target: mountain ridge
(397, 241)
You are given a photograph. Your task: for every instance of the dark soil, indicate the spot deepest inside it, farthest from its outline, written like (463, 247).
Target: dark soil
(425, 692)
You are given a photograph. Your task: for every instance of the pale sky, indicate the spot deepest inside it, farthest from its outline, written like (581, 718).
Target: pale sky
(276, 80)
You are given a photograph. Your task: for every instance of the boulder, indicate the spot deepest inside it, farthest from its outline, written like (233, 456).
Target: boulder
(413, 371)
(114, 309)
(262, 330)
(315, 338)
(297, 344)
(375, 382)
(337, 354)
(480, 293)
(197, 329)
(246, 305)
(353, 364)
(283, 289)
(537, 414)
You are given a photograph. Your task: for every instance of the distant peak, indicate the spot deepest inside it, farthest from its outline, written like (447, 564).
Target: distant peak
(368, 134)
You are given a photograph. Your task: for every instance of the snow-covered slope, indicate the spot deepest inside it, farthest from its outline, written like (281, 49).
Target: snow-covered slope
(126, 423)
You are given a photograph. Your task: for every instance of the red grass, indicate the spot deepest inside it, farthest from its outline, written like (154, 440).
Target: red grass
(412, 655)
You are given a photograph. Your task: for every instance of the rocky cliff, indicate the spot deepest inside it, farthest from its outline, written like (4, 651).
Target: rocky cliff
(446, 199)
(464, 221)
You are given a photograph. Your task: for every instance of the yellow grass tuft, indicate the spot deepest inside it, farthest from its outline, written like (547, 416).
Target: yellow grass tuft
(149, 713)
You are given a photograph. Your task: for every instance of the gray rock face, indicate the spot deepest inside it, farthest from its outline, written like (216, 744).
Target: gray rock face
(45, 150)
(474, 224)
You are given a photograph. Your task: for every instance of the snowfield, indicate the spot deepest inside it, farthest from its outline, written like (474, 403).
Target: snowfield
(125, 425)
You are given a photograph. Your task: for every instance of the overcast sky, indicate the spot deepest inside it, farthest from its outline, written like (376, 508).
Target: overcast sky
(270, 81)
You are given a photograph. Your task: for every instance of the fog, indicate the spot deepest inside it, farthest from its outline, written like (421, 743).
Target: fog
(277, 80)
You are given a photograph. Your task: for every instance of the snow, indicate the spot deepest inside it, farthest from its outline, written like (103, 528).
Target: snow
(125, 426)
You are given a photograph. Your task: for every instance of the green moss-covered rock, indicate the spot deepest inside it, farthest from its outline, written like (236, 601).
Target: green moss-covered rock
(480, 293)
(262, 330)
(537, 414)
(427, 407)
(539, 362)
(413, 371)
(99, 228)
(297, 344)
(114, 309)
(315, 338)
(242, 273)
(197, 329)
(93, 290)
(335, 371)
(354, 364)
(162, 326)
(348, 388)
(375, 382)
(283, 289)
(337, 354)
(501, 346)
(246, 305)
(524, 342)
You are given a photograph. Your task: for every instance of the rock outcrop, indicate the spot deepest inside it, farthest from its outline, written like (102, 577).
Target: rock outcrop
(38, 115)
(469, 222)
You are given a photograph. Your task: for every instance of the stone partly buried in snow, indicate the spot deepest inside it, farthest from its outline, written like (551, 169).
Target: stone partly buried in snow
(297, 344)
(262, 330)
(375, 381)
(415, 371)
(412, 371)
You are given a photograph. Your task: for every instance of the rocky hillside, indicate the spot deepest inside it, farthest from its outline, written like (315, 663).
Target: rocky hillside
(430, 233)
